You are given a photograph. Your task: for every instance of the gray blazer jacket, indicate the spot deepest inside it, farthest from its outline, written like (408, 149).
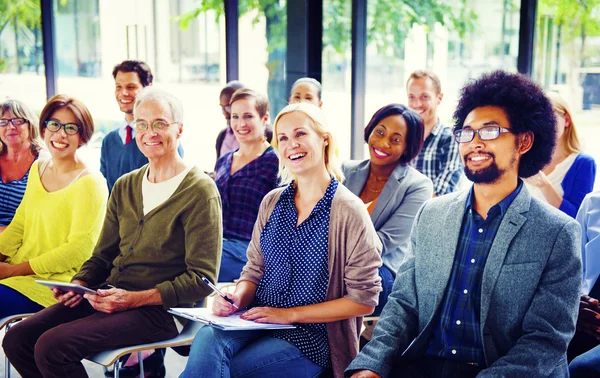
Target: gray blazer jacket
(404, 193)
(529, 290)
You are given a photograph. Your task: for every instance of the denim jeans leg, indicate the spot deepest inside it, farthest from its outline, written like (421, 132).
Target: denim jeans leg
(233, 259)
(212, 351)
(270, 357)
(586, 365)
(387, 282)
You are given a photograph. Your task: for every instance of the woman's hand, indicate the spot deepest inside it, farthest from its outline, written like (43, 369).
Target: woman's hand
(5, 270)
(221, 307)
(69, 299)
(538, 180)
(270, 315)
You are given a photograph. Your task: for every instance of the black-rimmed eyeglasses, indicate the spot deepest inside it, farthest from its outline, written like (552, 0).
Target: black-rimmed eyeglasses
(485, 133)
(54, 126)
(15, 121)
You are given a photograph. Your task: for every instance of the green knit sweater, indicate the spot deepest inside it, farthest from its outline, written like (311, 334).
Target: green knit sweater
(169, 248)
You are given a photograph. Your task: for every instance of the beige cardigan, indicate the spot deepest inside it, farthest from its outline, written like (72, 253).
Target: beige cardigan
(354, 257)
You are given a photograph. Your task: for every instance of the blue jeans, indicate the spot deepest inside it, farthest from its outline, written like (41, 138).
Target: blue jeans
(387, 282)
(14, 303)
(587, 365)
(233, 259)
(220, 354)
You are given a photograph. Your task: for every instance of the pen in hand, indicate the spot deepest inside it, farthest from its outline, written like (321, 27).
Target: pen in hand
(206, 281)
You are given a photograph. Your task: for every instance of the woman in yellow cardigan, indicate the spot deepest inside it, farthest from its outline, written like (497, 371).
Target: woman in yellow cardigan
(58, 222)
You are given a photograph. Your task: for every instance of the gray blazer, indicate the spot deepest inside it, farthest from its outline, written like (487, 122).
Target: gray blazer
(529, 290)
(399, 201)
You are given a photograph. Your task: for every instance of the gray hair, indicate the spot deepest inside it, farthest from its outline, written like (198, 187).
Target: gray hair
(166, 99)
(20, 110)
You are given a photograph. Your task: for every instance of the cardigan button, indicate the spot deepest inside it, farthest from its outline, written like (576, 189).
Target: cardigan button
(130, 249)
(141, 222)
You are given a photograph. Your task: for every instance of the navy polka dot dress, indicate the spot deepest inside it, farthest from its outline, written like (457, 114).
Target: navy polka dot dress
(296, 268)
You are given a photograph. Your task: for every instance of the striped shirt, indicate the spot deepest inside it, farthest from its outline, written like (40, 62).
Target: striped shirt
(11, 194)
(439, 160)
(457, 336)
(242, 192)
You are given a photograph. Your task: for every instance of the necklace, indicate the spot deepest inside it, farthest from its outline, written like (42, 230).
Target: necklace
(374, 190)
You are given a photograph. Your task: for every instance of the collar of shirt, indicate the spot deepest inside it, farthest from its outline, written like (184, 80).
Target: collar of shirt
(287, 196)
(437, 129)
(123, 131)
(501, 206)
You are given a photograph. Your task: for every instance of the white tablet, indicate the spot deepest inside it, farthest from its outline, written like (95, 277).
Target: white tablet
(65, 287)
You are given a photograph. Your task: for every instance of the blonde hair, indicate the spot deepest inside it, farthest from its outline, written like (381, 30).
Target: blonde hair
(318, 122)
(20, 110)
(420, 74)
(570, 139)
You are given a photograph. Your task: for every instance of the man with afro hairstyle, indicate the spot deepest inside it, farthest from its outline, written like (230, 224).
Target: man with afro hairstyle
(492, 286)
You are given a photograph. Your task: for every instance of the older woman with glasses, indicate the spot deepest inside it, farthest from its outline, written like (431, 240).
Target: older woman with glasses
(58, 221)
(19, 148)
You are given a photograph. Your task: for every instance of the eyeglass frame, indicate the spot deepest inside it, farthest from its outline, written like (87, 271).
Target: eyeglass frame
(501, 130)
(63, 126)
(148, 126)
(12, 121)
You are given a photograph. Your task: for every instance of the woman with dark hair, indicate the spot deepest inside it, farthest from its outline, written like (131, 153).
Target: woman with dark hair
(58, 221)
(391, 189)
(19, 148)
(306, 89)
(244, 176)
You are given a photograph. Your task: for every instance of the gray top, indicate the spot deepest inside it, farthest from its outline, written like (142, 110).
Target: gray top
(403, 194)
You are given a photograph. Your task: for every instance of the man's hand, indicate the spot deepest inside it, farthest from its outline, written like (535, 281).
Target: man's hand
(365, 374)
(270, 315)
(589, 316)
(69, 299)
(112, 300)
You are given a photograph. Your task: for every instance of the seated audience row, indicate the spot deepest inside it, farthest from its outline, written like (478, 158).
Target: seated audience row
(307, 252)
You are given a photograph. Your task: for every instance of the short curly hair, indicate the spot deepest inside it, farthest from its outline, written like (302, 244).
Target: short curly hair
(527, 108)
(414, 125)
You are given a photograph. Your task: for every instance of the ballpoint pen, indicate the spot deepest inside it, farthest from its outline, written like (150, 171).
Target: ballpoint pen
(206, 281)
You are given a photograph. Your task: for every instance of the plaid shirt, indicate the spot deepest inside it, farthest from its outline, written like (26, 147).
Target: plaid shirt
(457, 336)
(439, 160)
(242, 193)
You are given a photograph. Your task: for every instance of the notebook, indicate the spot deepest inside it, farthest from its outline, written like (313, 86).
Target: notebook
(232, 322)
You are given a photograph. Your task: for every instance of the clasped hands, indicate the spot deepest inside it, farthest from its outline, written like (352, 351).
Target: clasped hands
(589, 316)
(258, 314)
(108, 301)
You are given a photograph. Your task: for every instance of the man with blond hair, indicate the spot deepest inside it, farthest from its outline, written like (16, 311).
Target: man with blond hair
(439, 158)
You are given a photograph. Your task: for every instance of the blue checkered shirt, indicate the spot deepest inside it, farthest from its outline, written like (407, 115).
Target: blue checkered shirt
(457, 336)
(439, 160)
(242, 192)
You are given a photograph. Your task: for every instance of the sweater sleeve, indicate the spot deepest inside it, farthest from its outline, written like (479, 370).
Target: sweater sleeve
(95, 270)
(581, 182)
(363, 253)
(86, 215)
(255, 267)
(203, 228)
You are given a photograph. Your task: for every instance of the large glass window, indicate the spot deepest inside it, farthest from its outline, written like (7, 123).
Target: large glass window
(336, 76)
(21, 56)
(458, 40)
(566, 60)
(263, 48)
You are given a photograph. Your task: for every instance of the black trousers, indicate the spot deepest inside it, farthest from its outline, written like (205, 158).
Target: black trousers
(53, 342)
(433, 367)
